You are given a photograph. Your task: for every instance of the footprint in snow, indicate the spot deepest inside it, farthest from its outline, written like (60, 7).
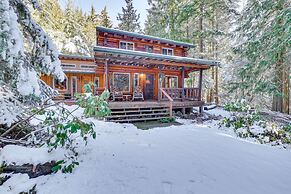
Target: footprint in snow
(167, 187)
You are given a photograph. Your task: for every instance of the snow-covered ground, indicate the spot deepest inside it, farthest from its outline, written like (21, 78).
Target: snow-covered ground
(188, 159)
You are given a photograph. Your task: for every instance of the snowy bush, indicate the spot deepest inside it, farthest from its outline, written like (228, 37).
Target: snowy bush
(94, 105)
(63, 130)
(248, 123)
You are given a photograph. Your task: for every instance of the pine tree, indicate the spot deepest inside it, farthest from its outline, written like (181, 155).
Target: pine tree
(104, 19)
(129, 19)
(265, 35)
(23, 59)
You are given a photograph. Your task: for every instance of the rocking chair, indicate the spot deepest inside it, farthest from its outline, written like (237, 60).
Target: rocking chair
(137, 94)
(116, 95)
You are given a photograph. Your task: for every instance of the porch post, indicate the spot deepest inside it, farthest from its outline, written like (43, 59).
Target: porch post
(183, 87)
(106, 75)
(200, 90)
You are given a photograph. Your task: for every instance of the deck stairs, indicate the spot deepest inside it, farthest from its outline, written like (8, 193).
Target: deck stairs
(138, 114)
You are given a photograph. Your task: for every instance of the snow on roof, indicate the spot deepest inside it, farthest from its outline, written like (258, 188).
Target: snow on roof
(137, 35)
(156, 56)
(80, 57)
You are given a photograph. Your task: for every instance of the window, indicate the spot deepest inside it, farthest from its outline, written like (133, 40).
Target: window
(136, 80)
(88, 66)
(97, 82)
(149, 49)
(121, 81)
(60, 85)
(167, 51)
(171, 81)
(126, 45)
(68, 65)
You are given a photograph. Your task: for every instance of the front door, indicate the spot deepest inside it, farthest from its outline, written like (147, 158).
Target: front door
(149, 87)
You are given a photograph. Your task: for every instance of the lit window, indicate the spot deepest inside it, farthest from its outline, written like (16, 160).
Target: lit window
(136, 80)
(167, 51)
(126, 45)
(121, 82)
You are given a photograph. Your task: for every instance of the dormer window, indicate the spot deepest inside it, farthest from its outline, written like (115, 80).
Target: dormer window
(126, 45)
(168, 51)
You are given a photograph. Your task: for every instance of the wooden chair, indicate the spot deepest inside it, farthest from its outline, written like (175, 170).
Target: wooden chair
(137, 94)
(116, 95)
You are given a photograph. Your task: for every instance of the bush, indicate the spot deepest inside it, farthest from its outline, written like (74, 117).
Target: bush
(241, 106)
(94, 106)
(63, 130)
(168, 120)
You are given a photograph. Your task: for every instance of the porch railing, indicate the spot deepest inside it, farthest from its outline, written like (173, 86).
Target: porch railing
(180, 93)
(164, 93)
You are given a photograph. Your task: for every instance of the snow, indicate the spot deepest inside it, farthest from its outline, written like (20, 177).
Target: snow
(190, 158)
(25, 155)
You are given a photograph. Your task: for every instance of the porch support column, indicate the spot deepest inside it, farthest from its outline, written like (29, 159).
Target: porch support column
(106, 75)
(200, 90)
(183, 86)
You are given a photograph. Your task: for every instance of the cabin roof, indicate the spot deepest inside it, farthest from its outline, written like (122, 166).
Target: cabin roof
(155, 56)
(142, 36)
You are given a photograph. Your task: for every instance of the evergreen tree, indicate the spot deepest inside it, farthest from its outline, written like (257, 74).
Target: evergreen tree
(104, 19)
(264, 35)
(23, 59)
(129, 19)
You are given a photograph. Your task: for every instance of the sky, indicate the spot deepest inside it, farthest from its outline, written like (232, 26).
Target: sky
(113, 7)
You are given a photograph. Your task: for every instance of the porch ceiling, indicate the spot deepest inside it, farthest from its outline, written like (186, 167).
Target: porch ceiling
(137, 57)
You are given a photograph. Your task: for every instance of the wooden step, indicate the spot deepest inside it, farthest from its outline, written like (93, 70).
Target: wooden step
(137, 120)
(141, 113)
(136, 115)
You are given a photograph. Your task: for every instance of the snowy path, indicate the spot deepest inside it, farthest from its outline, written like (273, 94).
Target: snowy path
(174, 160)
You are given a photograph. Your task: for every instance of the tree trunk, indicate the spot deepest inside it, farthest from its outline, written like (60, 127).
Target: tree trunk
(282, 81)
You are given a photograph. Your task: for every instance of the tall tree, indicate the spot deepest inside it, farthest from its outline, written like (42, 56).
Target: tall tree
(25, 53)
(104, 19)
(264, 33)
(129, 19)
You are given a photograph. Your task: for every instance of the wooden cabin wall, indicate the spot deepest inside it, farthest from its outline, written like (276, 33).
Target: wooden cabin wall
(112, 40)
(142, 71)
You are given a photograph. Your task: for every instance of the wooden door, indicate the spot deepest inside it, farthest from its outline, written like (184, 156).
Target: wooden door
(149, 87)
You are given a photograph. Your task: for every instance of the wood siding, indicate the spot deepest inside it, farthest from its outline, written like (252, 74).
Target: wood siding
(113, 40)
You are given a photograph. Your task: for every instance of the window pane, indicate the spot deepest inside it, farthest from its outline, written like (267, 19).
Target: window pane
(170, 52)
(121, 82)
(96, 82)
(129, 46)
(136, 80)
(165, 51)
(123, 45)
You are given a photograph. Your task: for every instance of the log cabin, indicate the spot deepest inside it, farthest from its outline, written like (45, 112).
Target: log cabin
(144, 74)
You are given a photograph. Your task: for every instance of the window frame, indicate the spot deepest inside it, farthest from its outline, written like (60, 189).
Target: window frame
(167, 49)
(97, 78)
(129, 77)
(138, 83)
(127, 42)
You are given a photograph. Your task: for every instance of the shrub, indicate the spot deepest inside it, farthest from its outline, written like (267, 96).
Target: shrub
(94, 106)
(168, 120)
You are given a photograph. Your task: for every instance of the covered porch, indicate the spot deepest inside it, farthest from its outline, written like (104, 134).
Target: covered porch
(158, 79)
